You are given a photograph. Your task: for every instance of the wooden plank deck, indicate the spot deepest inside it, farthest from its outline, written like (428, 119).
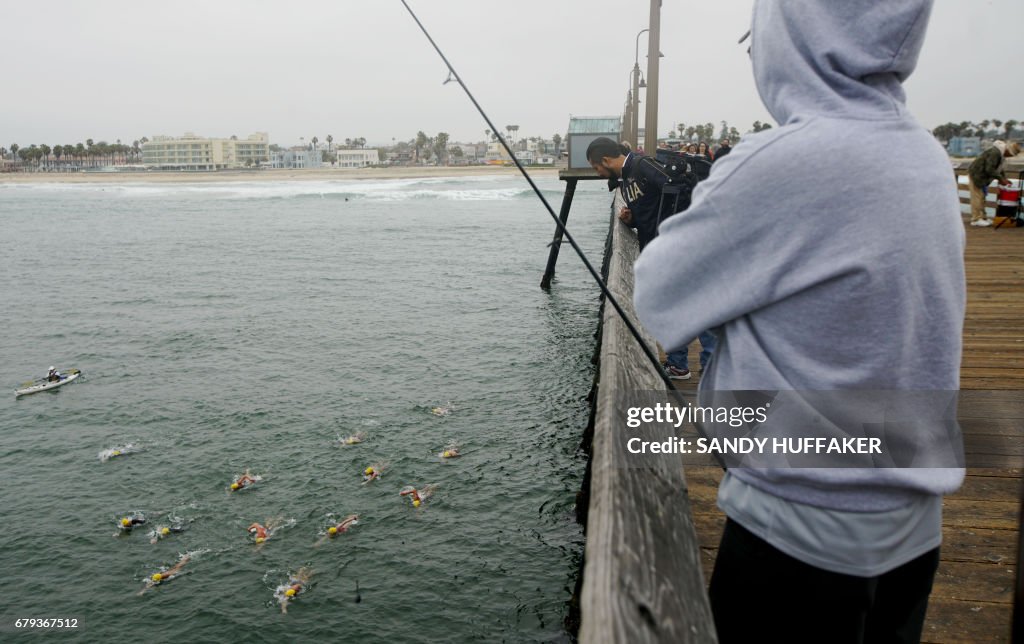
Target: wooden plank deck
(972, 597)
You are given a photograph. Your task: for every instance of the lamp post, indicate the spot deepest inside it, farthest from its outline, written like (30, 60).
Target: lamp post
(627, 117)
(634, 133)
(653, 58)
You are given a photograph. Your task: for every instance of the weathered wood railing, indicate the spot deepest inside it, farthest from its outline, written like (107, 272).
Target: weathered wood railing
(642, 579)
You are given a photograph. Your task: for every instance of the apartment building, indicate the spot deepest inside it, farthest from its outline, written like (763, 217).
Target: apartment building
(192, 152)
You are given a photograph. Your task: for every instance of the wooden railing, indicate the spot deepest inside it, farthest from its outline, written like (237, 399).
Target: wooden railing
(642, 579)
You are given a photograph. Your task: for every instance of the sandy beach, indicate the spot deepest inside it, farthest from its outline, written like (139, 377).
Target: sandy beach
(319, 174)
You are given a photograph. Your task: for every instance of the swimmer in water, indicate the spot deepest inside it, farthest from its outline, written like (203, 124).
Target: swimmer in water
(261, 533)
(244, 481)
(121, 450)
(296, 585)
(167, 574)
(126, 524)
(165, 531)
(258, 532)
(417, 496)
(452, 451)
(443, 410)
(373, 473)
(339, 528)
(354, 439)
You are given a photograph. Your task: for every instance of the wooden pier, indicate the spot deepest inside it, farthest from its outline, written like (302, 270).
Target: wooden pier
(632, 593)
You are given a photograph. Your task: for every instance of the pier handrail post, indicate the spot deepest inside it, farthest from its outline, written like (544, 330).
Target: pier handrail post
(556, 243)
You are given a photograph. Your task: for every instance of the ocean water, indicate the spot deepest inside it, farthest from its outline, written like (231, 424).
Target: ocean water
(232, 326)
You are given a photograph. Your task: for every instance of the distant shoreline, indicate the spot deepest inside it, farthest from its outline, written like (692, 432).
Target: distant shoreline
(319, 174)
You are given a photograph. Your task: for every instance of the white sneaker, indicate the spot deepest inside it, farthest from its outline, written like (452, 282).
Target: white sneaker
(981, 223)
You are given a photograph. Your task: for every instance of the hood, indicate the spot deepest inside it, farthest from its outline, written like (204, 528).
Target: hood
(825, 57)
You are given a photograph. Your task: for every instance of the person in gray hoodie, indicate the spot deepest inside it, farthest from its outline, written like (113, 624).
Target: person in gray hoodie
(822, 269)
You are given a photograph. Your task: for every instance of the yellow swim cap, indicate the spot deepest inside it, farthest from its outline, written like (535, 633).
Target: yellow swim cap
(165, 531)
(157, 576)
(332, 530)
(234, 486)
(415, 503)
(260, 539)
(290, 592)
(125, 521)
(368, 470)
(117, 452)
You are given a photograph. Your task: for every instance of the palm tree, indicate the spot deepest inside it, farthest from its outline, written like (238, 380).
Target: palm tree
(58, 151)
(45, 149)
(14, 150)
(421, 141)
(315, 141)
(440, 145)
(330, 139)
(1009, 125)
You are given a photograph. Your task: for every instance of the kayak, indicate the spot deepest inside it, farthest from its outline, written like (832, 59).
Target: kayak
(43, 384)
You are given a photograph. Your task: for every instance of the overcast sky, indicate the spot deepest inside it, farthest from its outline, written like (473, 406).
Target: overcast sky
(123, 69)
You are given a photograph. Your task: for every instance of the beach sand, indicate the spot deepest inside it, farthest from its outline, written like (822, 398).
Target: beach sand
(318, 174)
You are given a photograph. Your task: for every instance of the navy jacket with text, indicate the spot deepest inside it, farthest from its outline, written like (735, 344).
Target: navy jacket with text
(643, 179)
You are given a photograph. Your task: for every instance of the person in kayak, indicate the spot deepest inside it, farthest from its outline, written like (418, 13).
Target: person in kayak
(53, 375)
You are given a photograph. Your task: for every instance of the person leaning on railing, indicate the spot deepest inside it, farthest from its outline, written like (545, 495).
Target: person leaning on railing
(985, 169)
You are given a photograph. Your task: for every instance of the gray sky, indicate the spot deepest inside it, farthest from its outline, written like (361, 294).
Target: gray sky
(123, 69)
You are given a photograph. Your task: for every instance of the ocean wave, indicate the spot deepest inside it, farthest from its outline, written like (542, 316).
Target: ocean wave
(439, 188)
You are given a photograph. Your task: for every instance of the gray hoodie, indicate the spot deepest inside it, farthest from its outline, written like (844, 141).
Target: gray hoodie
(827, 252)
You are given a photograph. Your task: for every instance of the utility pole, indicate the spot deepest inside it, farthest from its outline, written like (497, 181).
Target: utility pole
(653, 58)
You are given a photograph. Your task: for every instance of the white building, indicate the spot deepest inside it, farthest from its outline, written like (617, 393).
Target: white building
(192, 152)
(296, 158)
(357, 158)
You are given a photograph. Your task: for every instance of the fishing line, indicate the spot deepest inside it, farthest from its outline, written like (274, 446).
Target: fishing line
(454, 76)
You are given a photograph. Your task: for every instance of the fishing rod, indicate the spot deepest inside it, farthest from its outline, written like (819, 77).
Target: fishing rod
(454, 75)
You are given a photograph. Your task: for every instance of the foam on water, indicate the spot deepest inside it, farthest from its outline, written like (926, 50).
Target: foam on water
(390, 190)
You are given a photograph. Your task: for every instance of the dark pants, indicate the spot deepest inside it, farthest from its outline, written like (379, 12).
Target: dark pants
(760, 594)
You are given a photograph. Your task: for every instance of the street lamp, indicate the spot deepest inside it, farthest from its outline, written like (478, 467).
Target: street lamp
(653, 54)
(634, 120)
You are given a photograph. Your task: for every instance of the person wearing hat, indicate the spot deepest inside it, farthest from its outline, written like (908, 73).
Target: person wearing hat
(53, 375)
(988, 166)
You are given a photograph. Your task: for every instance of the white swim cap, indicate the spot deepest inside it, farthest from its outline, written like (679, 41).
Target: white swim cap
(52, 368)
